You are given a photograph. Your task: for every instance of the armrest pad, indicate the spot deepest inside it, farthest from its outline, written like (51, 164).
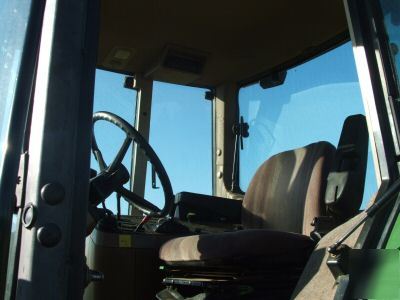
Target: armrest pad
(205, 208)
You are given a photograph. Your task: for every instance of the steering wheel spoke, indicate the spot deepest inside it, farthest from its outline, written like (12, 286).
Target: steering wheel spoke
(144, 205)
(121, 154)
(99, 157)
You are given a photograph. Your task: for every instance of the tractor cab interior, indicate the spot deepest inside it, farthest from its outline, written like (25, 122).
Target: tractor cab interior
(242, 144)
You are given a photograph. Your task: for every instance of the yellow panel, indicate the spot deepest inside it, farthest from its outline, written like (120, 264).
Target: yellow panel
(124, 241)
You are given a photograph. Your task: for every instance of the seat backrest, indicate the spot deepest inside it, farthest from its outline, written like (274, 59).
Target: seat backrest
(345, 187)
(287, 191)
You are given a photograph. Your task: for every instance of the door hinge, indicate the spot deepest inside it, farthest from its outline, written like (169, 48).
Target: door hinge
(21, 181)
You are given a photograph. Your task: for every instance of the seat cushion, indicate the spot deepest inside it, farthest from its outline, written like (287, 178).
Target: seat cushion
(239, 247)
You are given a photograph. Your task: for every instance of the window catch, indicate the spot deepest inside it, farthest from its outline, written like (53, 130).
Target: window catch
(129, 83)
(209, 95)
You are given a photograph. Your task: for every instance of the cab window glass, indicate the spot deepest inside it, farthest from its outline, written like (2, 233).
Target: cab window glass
(180, 134)
(111, 96)
(391, 12)
(310, 106)
(14, 17)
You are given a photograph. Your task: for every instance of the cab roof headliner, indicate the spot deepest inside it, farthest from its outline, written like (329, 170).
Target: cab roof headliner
(239, 40)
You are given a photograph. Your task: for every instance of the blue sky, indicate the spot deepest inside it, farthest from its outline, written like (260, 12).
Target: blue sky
(310, 106)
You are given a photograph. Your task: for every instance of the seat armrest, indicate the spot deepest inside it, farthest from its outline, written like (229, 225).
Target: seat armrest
(199, 208)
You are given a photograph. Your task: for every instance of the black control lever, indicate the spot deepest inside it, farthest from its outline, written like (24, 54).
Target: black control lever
(386, 197)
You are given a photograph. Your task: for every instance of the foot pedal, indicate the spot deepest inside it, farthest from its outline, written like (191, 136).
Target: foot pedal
(197, 282)
(169, 294)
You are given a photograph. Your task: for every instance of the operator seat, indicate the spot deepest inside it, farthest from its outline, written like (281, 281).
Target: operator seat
(294, 194)
(284, 196)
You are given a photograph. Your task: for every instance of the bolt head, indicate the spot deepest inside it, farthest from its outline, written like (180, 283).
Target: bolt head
(52, 193)
(49, 235)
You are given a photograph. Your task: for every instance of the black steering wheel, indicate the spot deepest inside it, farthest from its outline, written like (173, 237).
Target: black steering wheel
(132, 135)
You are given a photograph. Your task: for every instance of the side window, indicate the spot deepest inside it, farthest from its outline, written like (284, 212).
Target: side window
(310, 106)
(180, 134)
(14, 16)
(111, 96)
(391, 20)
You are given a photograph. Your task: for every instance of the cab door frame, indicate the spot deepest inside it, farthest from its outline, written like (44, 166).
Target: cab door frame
(376, 87)
(51, 258)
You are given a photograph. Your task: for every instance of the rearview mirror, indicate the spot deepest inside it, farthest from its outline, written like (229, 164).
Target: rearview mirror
(273, 80)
